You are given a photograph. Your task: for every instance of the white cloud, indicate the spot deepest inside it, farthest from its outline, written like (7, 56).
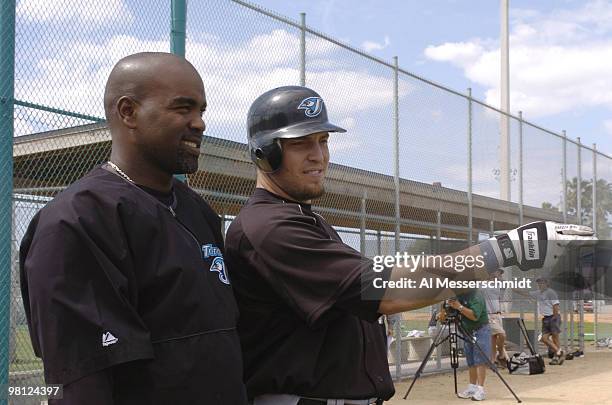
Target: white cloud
(458, 53)
(234, 75)
(98, 12)
(558, 63)
(370, 46)
(74, 80)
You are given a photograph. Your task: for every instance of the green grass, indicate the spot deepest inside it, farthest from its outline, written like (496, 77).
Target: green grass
(25, 359)
(604, 329)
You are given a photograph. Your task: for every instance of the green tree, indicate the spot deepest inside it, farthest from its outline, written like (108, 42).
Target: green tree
(604, 204)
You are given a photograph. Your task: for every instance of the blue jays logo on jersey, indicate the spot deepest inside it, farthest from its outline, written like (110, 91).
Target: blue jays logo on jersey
(312, 105)
(218, 265)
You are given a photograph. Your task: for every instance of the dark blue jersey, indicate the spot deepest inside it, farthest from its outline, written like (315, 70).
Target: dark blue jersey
(304, 325)
(113, 279)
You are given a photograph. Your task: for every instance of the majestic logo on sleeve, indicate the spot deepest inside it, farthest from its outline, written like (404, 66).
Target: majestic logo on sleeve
(218, 265)
(312, 105)
(530, 244)
(108, 339)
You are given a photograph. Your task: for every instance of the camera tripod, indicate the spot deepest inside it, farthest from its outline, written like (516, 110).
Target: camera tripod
(455, 332)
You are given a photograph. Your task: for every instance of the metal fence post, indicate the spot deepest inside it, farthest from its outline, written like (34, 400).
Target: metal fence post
(564, 330)
(15, 288)
(564, 208)
(223, 218)
(398, 348)
(303, 49)
(579, 214)
(564, 177)
(438, 250)
(396, 144)
(7, 99)
(581, 321)
(178, 30)
(521, 316)
(579, 184)
(595, 188)
(396, 182)
(439, 232)
(362, 230)
(571, 324)
(432, 245)
(594, 298)
(520, 185)
(536, 326)
(595, 331)
(469, 173)
(178, 33)
(564, 308)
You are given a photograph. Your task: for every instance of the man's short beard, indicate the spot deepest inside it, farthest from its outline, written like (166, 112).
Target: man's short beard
(305, 193)
(181, 163)
(186, 163)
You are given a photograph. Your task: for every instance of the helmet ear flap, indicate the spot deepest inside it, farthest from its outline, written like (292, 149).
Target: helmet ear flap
(267, 157)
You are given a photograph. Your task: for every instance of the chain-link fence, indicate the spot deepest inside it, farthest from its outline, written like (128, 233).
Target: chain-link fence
(420, 167)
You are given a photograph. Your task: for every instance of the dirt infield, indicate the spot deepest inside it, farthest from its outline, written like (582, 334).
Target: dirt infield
(584, 380)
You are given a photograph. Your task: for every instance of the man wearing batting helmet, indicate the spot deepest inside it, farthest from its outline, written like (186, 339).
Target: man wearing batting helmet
(309, 303)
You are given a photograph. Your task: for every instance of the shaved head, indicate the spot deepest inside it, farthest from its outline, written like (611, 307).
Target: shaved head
(136, 75)
(154, 105)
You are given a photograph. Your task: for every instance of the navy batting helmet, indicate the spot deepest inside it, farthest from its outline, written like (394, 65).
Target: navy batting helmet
(284, 112)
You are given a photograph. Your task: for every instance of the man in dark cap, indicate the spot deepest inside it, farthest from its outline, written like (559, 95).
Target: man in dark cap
(123, 277)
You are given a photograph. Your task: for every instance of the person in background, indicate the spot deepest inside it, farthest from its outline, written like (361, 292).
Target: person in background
(494, 311)
(474, 320)
(548, 307)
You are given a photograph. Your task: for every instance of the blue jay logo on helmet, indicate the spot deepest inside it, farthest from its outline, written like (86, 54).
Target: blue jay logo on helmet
(312, 106)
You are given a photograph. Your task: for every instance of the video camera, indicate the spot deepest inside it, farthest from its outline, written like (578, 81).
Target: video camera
(451, 313)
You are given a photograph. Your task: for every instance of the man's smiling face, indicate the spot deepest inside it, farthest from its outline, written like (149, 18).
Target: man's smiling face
(303, 167)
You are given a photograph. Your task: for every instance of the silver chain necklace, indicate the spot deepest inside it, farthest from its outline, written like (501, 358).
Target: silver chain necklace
(120, 172)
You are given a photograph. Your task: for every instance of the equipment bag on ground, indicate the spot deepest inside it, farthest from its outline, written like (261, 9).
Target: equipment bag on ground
(525, 364)
(522, 363)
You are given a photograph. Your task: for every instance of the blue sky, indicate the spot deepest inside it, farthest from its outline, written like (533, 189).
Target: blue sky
(561, 75)
(574, 34)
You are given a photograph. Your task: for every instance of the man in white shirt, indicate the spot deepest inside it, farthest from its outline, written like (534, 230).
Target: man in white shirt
(498, 334)
(548, 307)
